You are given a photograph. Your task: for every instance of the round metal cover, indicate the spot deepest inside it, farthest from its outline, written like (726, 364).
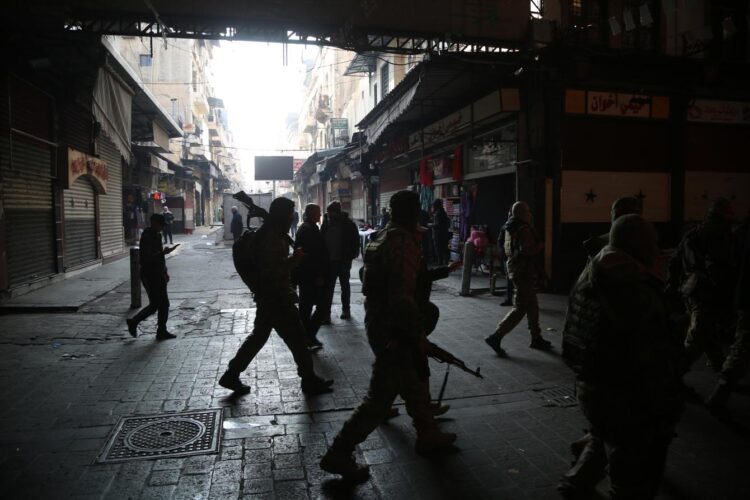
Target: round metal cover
(165, 435)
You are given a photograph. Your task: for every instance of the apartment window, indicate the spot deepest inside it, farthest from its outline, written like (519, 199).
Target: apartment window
(145, 60)
(375, 94)
(385, 78)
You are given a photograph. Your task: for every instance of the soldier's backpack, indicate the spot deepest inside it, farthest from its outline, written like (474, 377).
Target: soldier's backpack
(245, 261)
(588, 331)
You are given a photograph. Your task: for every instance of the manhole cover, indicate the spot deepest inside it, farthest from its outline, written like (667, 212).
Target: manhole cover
(558, 396)
(167, 435)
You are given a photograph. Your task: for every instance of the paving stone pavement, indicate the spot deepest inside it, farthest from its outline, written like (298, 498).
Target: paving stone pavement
(66, 379)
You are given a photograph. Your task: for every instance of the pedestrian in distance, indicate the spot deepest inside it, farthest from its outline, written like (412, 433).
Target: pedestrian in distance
(168, 220)
(312, 273)
(524, 248)
(441, 230)
(385, 217)
(275, 303)
(295, 224)
(235, 226)
(154, 277)
(341, 238)
(619, 340)
(396, 333)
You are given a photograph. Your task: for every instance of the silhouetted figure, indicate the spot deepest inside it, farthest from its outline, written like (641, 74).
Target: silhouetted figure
(396, 333)
(737, 361)
(154, 278)
(235, 226)
(441, 228)
(168, 220)
(312, 273)
(503, 244)
(295, 224)
(385, 218)
(275, 300)
(341, 238)
(628, 361)
(703, 270)
(524, 249)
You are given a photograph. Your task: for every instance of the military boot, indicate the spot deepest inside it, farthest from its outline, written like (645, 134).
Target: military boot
(341, 462)
(431, 440)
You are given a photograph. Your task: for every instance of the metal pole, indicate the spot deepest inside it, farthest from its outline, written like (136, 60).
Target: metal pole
(466, 272)
(135, 278)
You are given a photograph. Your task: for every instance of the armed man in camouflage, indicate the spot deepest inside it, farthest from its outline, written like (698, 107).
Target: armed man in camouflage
(523, 248)
(396, 333)
(627, 358)
(276, 307)
(703, 270)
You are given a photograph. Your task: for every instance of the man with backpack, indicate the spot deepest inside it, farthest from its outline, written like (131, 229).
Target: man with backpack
(523, 248)
(341, 237)
(264, 263)
(703, 271)
(619, 341)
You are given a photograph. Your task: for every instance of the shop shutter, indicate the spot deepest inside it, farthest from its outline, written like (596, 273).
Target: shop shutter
(29, 214)
(385, 199)
(110, 204)
(79, 222)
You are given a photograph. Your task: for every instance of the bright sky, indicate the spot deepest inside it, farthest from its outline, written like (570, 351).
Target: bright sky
(259, 91)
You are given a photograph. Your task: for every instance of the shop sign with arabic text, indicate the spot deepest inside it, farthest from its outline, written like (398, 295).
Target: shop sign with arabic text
(616, 104)
(733, 112)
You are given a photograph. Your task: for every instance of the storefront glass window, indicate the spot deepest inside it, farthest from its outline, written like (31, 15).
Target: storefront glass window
(495, 150)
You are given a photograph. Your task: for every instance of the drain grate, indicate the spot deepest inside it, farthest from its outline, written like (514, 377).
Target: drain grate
(558, 396)
(166, 435)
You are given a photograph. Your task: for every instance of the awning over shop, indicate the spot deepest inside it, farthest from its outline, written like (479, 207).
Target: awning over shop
(364, 63)
(433, 88)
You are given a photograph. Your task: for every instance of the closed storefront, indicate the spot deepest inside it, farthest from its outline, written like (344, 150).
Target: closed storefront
(79, 223)
(391, 181)
(110, 204)
(27, 159)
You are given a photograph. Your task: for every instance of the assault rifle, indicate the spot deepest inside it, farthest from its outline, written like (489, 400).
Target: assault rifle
(256, 211)
(442, 356)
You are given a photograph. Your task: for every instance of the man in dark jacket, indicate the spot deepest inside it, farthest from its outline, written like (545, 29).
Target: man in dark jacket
(441, 228)
(235, 226)
(738, 360)
(312, 273)
(621, 206)
(341, 237)
(629, 382)
(523, 248)
(154, 278)
(275, 300)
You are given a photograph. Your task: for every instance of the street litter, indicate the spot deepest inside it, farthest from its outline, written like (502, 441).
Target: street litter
(77, 355)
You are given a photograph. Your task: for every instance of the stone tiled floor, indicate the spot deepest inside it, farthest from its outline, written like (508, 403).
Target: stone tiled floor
(65, 379)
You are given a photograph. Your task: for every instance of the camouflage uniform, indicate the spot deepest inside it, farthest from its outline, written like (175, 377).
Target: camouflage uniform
(702, 269)
(395, 327)
(635, 397)
(523, 248)
(276, 307)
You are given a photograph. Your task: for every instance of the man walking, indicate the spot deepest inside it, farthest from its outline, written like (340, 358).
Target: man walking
(396, 333)
(168, 220)
(312, 273)
(154, 278)
(235, 226)
(618, 340)
(703, 270)
(275, 301)
(341, 237)
(524, 248)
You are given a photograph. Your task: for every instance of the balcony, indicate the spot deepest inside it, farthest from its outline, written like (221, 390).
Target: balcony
(323, 110)
(200, 105)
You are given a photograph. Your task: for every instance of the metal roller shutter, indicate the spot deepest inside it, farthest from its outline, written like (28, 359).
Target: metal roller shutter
(385, 199)
(110, 204)
(79, 223)
(29, 214)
